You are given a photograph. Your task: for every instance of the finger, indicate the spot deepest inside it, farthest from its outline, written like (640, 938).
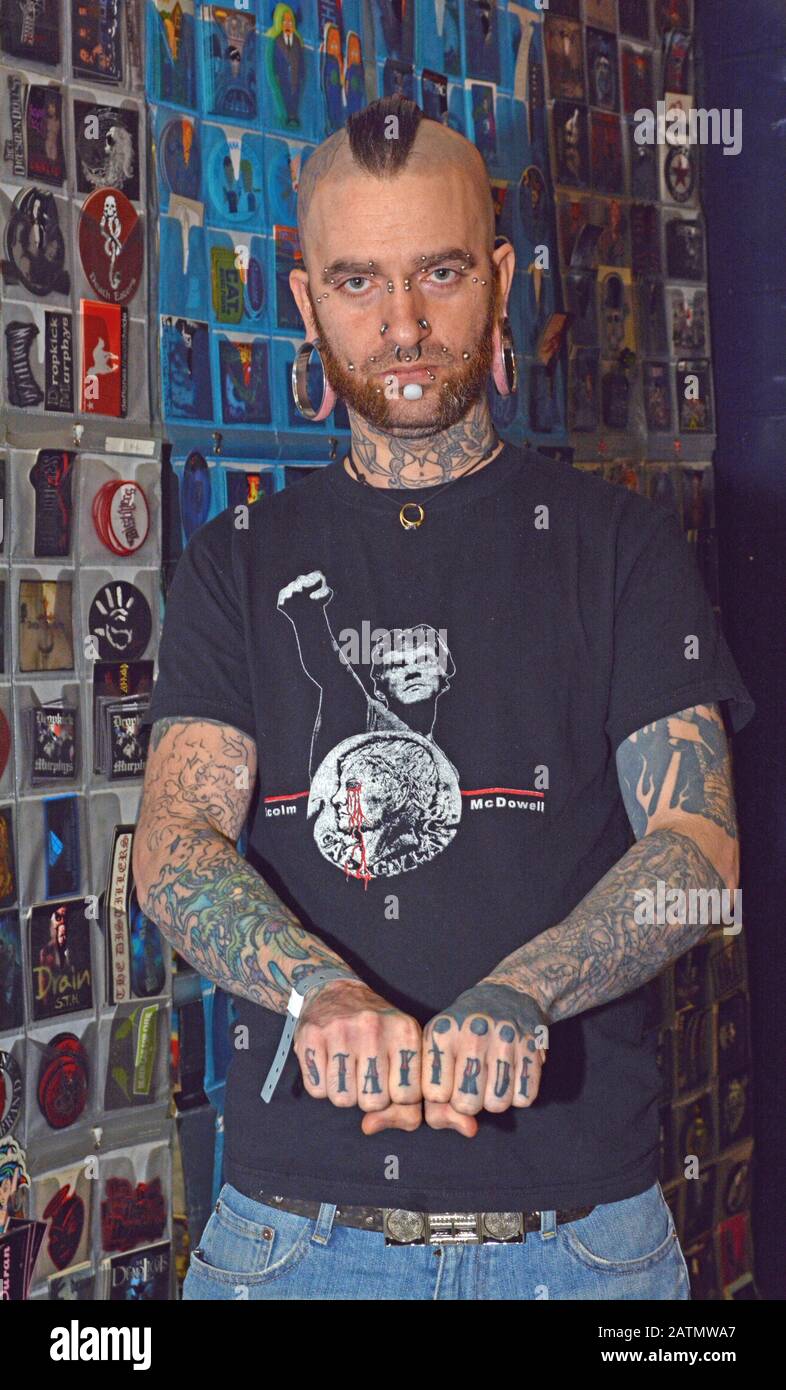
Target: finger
(407, 1117)
(341, 1074)
(500, 1073)
(470, 1076)
(404, 1072)
(442, 1116)
(372, 1078)
(437, 1059)
(527, 1079)
(311, 1054)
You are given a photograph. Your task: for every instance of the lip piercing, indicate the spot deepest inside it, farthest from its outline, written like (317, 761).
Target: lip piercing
(383, 328)
(431, 376)
(423, 323)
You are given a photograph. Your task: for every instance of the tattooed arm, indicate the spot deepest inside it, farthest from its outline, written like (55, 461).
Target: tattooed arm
(226, 921)
(675, 780)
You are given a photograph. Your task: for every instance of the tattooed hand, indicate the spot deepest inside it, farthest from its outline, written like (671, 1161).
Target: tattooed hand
(354, 1048)
(483, 1053)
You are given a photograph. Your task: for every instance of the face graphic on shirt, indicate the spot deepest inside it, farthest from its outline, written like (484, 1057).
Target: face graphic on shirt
(383, 796)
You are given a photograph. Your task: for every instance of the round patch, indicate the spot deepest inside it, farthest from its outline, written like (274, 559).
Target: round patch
(194, 493)
(35, 245)
(62, 1081)
(234, 182)
(11, 1091)
(121, 516)
(120, 621)
(65, 1213)
(179, 157)
(111, 245)
(680, 174)
(5, 742)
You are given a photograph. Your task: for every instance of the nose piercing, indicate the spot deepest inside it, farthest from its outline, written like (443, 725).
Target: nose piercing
(407, 354)
(423, 323)
(383, 328)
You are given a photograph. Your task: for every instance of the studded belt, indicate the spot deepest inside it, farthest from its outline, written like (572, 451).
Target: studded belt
(431, 1228)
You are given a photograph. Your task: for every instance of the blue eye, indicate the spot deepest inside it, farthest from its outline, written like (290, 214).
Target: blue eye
(356, 283)
(444, 270)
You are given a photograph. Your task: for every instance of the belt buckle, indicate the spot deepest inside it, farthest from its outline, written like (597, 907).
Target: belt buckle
(452, 1227)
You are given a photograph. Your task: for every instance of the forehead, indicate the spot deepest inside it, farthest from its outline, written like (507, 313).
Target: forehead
(418, 210)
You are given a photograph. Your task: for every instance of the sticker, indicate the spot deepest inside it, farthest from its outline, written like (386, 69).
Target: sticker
(111, 245)
(12, 993)
(185, 369)
(60, 968)
(564, 56)
(688, 317)
(65, 1213)
(120, 620)
(104, 358)
(95, 40)
(61, 844)
(235, 181)
(45, 625)
(226, 285)
(288, 256)
(180, 157)
(11, 1093)
(31, 29)
(63, 1077)
(355, 82)
(53, 742)
(606, 152)
(44, 128)
(148, 971)
(50, 477)
(121, 516)
(693, 395)
(657, 396)
(131, 1214)
(602, 70)
(7, 858)
(570, 143)
(133, 1049)
(195, 492)
(243, 488)
(230, 63)
(107, 148)
(35, 245)
(245, 390)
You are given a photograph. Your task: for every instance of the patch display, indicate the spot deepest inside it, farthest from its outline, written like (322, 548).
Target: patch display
(35, 246)
(143, 1277)
(8, 889)
(245, 389)
(96, 40)
(230, 62)
(134, 1043)
(131, 1214)
(60, 968)
(645, 239)
(172, 43)
(234, 180)
(111, 245)
(11, 977)
(638, 86)
(180, 157)
(63, 1081)
(61, 845)
(570, 143)
(434, 94)
(606, 152)
(185, 369)
(53, 742)
(564, 56)
(107, 148)
(693, 395)
(603, 70)
(195, 493)
(65, 1212)
(584, 405)
(120, 621)
(104, 358)
(684, 249)
(33, 382)
(653, 336)
(688, 307)
(657, 396)
(680, 174)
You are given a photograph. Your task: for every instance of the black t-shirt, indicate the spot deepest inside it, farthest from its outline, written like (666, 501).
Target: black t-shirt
(426, 817)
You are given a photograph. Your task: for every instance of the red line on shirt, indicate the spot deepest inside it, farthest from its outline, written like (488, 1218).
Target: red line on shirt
(285, 796)
(512, 791)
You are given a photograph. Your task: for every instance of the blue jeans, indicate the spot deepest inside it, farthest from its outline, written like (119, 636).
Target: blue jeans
(622, 1250)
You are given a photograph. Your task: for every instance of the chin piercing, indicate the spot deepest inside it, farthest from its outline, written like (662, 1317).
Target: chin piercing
(383, 328)
(465, 355)
(350, 366)
(423, 323)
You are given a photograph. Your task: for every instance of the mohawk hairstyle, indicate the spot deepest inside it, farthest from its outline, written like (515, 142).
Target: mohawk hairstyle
(379, 146)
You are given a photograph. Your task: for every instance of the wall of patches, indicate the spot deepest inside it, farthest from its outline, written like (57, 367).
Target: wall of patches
(148, 338)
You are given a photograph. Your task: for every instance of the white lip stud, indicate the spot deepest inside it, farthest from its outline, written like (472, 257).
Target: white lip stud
(412, 391)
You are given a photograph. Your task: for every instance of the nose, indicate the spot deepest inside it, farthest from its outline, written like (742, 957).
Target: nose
(406, 320)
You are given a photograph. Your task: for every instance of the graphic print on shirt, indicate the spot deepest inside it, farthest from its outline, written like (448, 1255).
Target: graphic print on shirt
(384, 796)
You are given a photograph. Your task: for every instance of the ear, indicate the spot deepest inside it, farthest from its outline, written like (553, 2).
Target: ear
(298, 283)
(504, 257)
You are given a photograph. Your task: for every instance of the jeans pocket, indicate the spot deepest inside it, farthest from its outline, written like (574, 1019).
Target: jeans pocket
(627, 1237)
(245, 1243)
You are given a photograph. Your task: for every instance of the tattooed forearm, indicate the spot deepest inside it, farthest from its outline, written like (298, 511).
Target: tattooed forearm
(601, 951)
(205, 898)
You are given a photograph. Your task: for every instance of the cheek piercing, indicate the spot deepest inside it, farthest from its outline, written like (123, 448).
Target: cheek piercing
(444, 349)
(390, 286)
(423, 323)
(474, 279)
(407, 285)
(465, 355)
(350, 366)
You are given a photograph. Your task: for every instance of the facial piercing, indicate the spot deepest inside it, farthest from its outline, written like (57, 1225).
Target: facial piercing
(474, 279)
(431, 376)
(412, 354)
(390, 286)
(407, 285)
(372, 359)
(444, 349)
(383, 328)
(370, 265)
(319, 299)
(462, 267)
(350, 366)
(412, 391)
(483, 282)
(423, 323)
(465, 355)
(423, 258)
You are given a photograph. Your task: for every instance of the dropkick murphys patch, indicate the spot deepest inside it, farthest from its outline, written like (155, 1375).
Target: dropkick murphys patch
(40, 361)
